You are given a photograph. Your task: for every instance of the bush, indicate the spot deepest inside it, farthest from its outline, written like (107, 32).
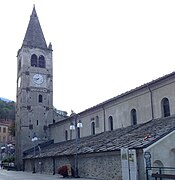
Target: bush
(9, 160)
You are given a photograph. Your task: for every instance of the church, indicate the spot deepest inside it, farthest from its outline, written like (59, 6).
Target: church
(125, 137)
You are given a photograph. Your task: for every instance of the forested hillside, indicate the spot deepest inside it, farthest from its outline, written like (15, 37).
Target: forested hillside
(7, 110)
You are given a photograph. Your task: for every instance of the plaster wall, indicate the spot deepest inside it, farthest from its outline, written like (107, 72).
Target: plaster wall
(161, 151)
(146, 101)
(165, 91)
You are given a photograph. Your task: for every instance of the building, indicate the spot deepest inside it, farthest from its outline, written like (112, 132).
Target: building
(115, 154)
(5, 136)
(152, 100)
(34, 97)
(129, 131)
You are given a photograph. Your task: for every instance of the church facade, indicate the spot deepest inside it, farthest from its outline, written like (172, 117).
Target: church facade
(116, 136)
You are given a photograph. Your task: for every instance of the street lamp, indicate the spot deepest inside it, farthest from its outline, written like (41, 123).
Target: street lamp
(2, 151)
(33, 140)
(76, 127)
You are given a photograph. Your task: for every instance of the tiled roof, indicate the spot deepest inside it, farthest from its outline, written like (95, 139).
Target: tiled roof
(137, 136)
(34, 36)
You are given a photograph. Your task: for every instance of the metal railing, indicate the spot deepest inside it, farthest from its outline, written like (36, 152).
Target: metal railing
(160, 173)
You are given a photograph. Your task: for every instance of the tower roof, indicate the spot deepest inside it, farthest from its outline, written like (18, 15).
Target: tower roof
(34, 36)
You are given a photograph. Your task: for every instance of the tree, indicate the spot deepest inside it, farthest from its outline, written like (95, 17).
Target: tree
(12, 129)
(7, 110)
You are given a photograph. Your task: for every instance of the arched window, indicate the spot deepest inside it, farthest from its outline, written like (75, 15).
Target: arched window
(66, 135)
(133, 117)
(157, 163)
(42, 63)
(40, 98)
(34, 60)
(92, 128)
(110, 120)
(165, 107)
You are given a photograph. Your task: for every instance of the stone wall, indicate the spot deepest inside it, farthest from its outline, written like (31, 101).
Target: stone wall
(104, 166)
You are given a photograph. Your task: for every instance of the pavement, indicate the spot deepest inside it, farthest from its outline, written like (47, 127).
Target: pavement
(20, 175)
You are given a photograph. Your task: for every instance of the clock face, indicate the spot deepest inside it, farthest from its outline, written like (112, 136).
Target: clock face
(38, 79)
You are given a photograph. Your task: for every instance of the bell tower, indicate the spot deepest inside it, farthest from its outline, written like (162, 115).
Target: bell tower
(34, 94)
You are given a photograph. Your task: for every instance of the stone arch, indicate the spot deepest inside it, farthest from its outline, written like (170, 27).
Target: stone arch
(157, 163)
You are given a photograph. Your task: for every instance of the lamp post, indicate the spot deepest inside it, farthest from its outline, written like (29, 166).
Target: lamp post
(75, 127)
(33, 140)
(2, 151)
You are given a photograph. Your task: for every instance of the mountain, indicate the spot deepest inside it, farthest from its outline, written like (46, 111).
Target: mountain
(7, 109)
(6, 100)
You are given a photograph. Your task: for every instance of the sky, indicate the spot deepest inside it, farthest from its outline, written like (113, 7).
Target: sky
(101, 48)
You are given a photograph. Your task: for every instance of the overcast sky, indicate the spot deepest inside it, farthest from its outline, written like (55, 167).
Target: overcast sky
(101, 48)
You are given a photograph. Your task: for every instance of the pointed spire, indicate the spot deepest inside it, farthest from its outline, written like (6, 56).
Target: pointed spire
(34, 36)
(50, 46)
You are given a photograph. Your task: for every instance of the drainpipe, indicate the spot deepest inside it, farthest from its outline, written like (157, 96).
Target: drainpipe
(104, 118)
(151, 96)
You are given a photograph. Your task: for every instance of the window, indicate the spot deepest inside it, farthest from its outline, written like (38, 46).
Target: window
(34, 60)
(37, 122)
(4, 139)
(40, 98)
(165, 107)
(0, 129)
(110, 120)
(30, 126)
(66, 135)
(92, 128)
(19, 82)
(133, 117)
(28, 108)
(4, 130)
(41, 61)
(38, 62)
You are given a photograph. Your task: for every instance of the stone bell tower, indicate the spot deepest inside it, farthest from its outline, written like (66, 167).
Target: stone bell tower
(34, 94)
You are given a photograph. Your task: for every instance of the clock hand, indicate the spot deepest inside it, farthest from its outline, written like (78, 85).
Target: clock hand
(36, 79)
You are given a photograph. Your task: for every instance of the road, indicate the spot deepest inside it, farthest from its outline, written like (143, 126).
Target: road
(20, 175)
